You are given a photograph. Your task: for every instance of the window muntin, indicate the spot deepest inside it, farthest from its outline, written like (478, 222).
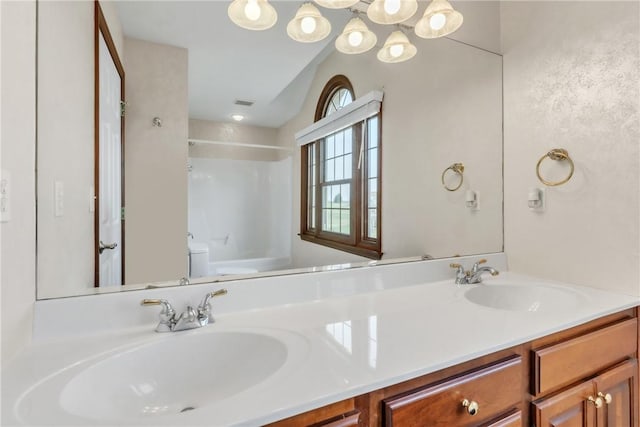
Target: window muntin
(338, 100)
(341, 197)
(337, 181)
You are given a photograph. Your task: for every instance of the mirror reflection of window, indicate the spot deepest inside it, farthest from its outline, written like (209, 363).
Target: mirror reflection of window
(341, 203)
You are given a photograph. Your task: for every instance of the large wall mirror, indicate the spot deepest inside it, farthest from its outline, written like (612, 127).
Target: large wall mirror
(145, 177)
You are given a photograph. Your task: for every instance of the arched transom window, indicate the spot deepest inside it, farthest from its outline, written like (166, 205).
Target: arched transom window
(341, 180)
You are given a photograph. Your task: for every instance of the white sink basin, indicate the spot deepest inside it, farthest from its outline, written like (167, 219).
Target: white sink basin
(530, 297)
(172, 376)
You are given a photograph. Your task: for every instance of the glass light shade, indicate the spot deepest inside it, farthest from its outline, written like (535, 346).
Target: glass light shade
(252, 14)
(308, 25)
(397, 48)
(439, 20)
(337, 4)
(356, 38)
(378, 11)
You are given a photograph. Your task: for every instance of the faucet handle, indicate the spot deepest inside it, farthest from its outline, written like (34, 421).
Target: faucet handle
(454, 265)
(218, 293)
(213, 294)
(166, 306)
(204, 309)
(475, 267)
(167, 314)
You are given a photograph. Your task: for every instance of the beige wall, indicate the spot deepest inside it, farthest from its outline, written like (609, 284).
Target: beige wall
(572, 80)
(155, 162)
(66, 134)
(233, 132)
(441, 107)
(17, 124)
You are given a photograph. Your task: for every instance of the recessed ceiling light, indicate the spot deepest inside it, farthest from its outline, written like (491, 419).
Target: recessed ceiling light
(237, 117)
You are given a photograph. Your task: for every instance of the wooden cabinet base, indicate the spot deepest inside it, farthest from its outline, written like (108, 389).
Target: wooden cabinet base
(584, 376)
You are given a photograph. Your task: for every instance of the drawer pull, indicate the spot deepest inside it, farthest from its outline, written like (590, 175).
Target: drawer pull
(598, 402)
(607, 397)
(472, 406)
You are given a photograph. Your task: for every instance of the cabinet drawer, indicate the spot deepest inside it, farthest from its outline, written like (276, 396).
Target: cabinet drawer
(511, 420)
(347, 420)
(496, 389)
(567, 362)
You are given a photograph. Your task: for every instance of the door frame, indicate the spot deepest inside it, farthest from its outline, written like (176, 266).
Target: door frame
(101, 28)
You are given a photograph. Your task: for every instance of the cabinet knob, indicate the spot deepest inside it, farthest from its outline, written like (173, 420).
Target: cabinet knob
(471, 406)
(607, 397)
(597, 402)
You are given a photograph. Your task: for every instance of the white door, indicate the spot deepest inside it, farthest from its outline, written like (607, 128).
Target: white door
(109, 171)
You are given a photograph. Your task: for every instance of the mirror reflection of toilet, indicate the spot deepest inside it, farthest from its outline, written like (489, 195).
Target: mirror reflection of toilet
(198, 260)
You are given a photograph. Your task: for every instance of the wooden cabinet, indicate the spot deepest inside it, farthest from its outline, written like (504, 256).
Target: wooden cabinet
(618, 388)
(608, 400)
(573, 359)
(339, 414)
(509, 420)
(486, 393)
(599, 395)
(346, 420)
(586, 376)
(568, 408)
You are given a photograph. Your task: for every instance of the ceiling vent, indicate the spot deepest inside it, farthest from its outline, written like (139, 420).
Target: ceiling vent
(244, 103)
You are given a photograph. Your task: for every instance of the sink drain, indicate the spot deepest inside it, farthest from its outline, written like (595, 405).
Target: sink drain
(188, 408)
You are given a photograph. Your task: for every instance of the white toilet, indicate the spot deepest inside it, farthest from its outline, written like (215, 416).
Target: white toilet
(198, 260)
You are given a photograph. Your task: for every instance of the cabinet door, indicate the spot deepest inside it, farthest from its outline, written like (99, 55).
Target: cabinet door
(571, 408)
(620, 384)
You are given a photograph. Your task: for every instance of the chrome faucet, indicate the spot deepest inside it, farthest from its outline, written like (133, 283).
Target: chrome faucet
(474, 275)
(190, 319)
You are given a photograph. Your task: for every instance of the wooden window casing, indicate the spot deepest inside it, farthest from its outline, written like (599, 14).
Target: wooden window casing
(358, 241)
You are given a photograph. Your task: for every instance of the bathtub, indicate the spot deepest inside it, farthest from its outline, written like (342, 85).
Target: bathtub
(248, 266)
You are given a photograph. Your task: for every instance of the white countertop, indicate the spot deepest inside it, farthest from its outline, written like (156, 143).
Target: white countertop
(339, 347)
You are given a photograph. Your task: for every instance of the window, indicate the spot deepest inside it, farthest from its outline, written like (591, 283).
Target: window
(340, 200)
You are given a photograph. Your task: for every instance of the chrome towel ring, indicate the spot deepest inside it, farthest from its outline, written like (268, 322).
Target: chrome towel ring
(458, 169)
(558, 154)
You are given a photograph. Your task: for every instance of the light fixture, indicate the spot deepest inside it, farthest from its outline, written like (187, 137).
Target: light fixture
(308, 25)
(391, 11)
(252, 14)
(397, 48)
(237, 117)
(356, 38)
(337, 4)
(439, 20)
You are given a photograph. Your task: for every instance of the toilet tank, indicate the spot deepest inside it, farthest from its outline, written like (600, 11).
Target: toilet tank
(198, 260)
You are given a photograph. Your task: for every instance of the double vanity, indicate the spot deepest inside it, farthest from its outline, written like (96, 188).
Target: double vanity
(393, 345)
